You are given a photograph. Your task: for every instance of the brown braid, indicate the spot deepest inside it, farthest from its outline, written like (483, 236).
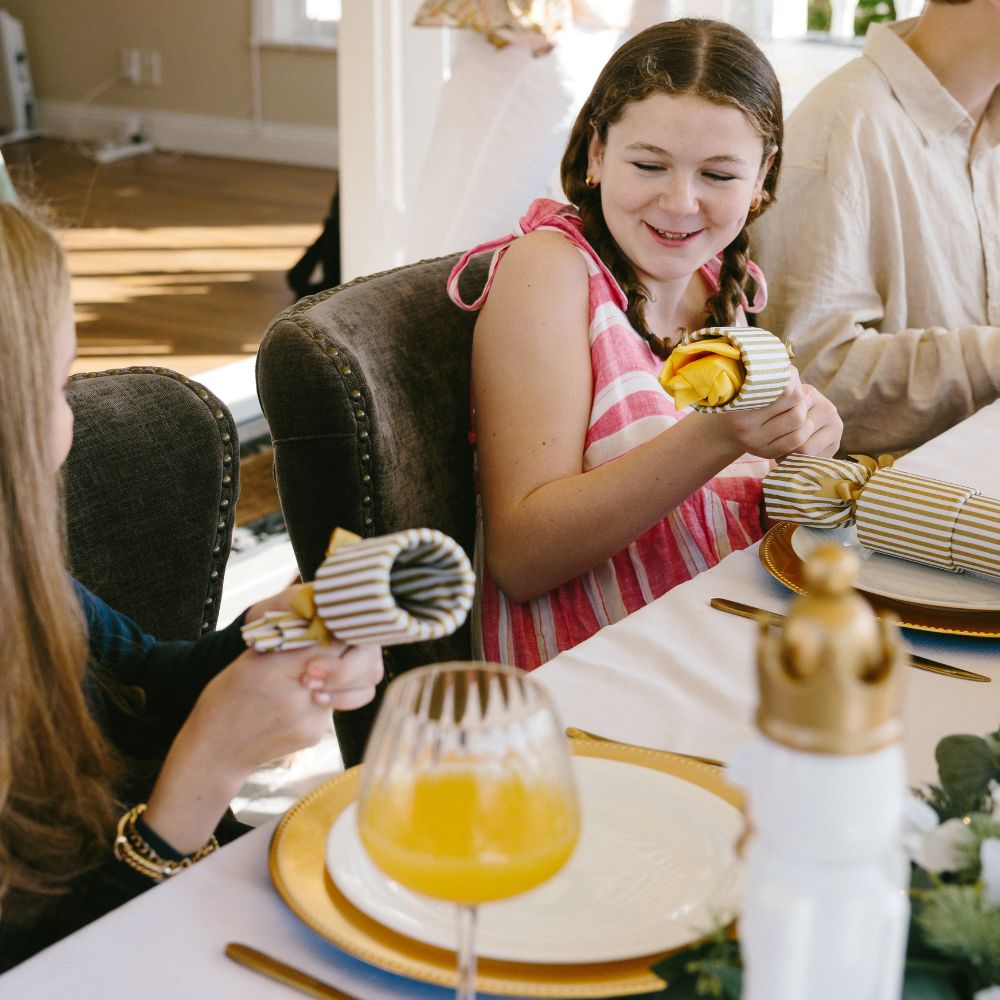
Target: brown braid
(733, 279)
(596, 231)
(706, 58)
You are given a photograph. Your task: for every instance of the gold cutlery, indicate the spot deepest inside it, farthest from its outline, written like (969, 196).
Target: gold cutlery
(916, 660)
(581, 734)
(284, 973)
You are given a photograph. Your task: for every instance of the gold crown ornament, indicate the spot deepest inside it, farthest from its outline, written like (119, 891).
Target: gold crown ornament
(830, 679)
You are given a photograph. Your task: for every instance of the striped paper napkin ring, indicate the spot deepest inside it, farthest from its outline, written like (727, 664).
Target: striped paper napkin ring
(410, 586)
(765, 358)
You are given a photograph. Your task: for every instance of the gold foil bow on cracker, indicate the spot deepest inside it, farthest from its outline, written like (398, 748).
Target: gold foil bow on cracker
(898, 513)
(409, 586)
(820, 492)
(726, 368)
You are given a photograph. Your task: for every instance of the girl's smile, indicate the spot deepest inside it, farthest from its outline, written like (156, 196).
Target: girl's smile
(672, 239)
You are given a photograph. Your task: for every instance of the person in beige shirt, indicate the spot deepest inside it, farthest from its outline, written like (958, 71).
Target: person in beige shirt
(882, 252)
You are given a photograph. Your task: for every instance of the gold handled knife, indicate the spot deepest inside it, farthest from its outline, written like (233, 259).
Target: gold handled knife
(582, 734)
(284, 973)
(916, 660)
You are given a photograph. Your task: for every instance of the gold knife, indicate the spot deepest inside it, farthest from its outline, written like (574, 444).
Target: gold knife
(916, 660)
(284, 973)
(582, 734)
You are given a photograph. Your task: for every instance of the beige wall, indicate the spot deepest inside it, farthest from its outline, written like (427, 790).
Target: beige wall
(205, 55)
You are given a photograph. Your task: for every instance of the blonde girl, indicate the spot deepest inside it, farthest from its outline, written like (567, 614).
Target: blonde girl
(70, 664)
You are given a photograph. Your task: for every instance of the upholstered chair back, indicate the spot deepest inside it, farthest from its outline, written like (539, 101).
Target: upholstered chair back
(150, 487)
(365, 388)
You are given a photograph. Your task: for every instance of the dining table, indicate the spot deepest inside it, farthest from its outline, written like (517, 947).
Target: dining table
(676, 674)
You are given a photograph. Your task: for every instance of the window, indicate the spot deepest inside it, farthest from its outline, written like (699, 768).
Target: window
(298, 22)
(850, 19)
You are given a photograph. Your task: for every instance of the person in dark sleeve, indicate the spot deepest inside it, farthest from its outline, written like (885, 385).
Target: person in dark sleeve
(119, 754)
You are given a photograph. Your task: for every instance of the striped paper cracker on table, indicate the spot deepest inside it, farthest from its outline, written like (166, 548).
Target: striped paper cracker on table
(410, 586)
(928, 521)
(976, 542)
(792, 490)
(765, 358)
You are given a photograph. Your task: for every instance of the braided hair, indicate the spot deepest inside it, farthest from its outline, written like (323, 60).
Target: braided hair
(704, 58)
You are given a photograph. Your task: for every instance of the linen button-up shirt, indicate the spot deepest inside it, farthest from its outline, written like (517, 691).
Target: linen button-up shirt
(882, 253)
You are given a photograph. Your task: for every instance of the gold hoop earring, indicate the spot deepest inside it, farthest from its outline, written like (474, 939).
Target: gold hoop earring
(590, 182)
(756, 202)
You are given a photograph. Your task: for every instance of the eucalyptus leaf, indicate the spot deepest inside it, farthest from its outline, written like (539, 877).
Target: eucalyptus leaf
(966, 765)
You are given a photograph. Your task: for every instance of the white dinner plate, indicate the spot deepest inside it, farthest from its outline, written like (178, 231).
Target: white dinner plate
(654, 869)
(902, 580)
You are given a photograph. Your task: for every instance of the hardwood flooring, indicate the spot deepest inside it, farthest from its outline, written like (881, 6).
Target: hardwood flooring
(176, 261)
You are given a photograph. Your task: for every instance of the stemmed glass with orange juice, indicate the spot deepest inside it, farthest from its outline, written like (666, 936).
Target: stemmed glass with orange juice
(467, 793)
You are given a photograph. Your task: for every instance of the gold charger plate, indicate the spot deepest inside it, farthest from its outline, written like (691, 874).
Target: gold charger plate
(298, 870)
(783, 563)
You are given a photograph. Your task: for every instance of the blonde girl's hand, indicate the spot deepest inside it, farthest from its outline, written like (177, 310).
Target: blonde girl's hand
(343, 677)
(290, 687)
(266, 705)
(261, 707)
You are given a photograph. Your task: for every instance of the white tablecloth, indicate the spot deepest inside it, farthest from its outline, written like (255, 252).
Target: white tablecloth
(676, 674)
(681, 676)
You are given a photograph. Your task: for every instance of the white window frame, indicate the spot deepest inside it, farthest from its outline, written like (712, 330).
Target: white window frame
(286, 24)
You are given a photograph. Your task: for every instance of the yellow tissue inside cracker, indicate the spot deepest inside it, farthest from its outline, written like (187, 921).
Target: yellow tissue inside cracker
(704, 372)
(341, 537)
(304, 602)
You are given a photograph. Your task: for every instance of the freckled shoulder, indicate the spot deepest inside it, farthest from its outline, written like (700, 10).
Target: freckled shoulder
(547, 258)
(540, 299)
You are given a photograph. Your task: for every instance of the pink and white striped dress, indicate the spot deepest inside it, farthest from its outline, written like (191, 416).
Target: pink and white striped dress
(629, 408)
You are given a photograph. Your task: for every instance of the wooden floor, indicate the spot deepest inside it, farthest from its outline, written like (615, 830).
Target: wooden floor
(177, 261)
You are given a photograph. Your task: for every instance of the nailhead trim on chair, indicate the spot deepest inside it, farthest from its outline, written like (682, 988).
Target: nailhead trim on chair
(227, 507)
(354, 393)
(332, 350)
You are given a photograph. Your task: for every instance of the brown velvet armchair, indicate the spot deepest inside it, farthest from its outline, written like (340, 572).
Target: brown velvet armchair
(366, 391)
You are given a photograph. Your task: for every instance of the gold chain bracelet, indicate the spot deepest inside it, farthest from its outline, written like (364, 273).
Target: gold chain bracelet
(131, 848)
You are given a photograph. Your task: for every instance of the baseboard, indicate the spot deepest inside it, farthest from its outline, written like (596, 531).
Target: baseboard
(205, 135)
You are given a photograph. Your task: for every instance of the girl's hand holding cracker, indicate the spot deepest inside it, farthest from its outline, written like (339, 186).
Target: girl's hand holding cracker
(261, 707)
(800, 420)
(342, 677)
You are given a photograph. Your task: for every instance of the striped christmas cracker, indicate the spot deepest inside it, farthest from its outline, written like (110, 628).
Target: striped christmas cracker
(806, 490)
(765, 358)
(975, 543)
(929, 521)
(410, 586)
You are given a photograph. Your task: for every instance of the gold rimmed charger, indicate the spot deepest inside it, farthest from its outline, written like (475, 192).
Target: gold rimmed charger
(783, 563)
(298, 870)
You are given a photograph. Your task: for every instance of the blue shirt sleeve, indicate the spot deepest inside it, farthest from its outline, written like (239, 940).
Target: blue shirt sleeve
(170, 675)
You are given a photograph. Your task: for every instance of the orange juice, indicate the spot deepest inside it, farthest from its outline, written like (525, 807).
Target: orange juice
(468, 836)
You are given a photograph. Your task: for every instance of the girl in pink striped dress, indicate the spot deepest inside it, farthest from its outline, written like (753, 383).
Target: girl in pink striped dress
(596, 496)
